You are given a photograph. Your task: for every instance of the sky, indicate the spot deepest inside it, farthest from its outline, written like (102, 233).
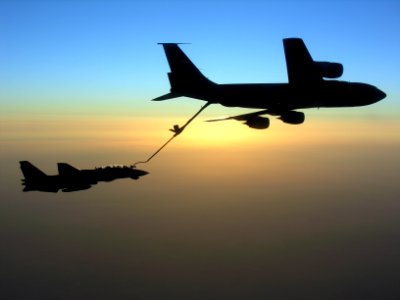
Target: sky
(102, 56)
(291, 212)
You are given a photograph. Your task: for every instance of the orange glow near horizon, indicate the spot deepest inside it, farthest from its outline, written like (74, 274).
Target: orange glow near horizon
(89, 141)
(150, 132)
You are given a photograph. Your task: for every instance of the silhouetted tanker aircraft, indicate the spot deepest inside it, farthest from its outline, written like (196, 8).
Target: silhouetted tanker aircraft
(306, 88)
(70, 179)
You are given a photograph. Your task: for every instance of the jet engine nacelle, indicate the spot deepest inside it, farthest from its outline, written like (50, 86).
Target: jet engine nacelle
(329, 69)
(257, 122)
(292, 117)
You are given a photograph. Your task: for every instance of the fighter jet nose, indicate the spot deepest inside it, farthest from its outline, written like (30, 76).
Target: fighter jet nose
(138, 173)
(142, 173)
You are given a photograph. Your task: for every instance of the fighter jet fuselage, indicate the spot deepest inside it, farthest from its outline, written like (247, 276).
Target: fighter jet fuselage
(71, 179)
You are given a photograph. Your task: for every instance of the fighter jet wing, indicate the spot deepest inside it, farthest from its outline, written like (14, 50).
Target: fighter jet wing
(73, 179)
(299, 63)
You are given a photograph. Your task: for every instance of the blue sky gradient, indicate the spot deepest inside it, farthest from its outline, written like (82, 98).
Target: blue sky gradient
(101, 56)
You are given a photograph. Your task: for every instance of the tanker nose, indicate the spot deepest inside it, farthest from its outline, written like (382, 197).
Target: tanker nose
(366, 94)
(379, 94)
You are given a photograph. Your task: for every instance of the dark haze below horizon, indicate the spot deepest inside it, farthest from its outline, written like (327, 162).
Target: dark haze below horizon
(301, 217)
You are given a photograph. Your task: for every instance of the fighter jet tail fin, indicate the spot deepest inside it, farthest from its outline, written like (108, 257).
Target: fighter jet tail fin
(30, 171)
(66, 169)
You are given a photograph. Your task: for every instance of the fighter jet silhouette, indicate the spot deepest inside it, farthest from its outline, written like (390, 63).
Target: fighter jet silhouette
(306, 87)
(71, 179)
